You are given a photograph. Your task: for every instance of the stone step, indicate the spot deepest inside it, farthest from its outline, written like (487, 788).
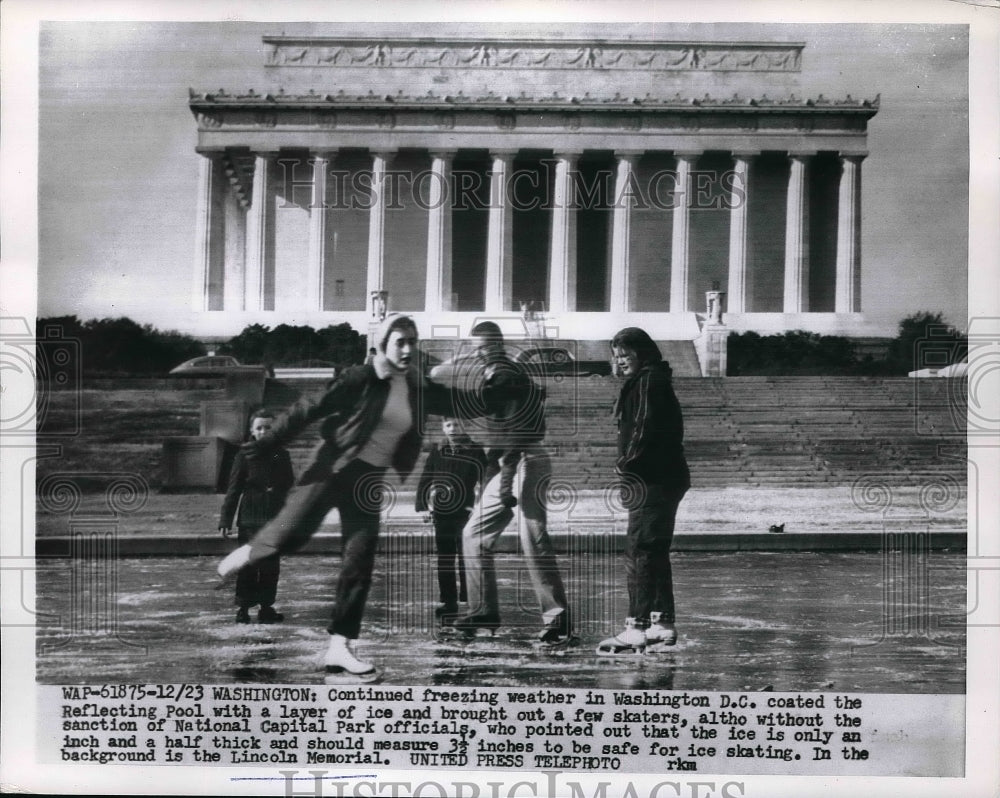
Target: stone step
(756, 430)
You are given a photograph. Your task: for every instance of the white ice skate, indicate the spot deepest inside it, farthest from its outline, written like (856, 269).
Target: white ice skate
(231, 565)
(659, 636)
(629, 641)
(343, 667)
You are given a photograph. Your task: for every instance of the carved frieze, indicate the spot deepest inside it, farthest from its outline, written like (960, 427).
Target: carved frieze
(449, 53)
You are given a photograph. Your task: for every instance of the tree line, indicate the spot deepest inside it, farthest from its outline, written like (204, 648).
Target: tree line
(122, 347)
(922, 340)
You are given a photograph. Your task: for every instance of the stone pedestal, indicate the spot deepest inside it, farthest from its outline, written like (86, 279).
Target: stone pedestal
(247, 386)
(193, 462)
(712, 350)
(226, 419)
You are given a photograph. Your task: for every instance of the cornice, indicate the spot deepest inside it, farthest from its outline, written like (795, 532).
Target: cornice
(495, 53)
(491, 101)
(221, 112)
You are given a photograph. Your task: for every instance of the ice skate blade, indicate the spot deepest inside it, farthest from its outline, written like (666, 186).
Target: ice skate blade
(479, 632)
(571, 641)
(450, 633)
(476, 626)
(662, 647)
(619, 651)
(334, 674)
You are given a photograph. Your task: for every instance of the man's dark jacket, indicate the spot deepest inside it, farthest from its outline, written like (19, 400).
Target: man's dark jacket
(501, 393)
(514, 405)
(651, 430)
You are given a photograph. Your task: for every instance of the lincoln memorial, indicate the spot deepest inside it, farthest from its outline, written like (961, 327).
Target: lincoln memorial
(595, 182)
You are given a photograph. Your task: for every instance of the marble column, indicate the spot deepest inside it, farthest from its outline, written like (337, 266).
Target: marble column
(207, 227)
(499, 235)
(562, 250)
(796, 296)
(259, 219)
(848, 287)
(316, 266)
(234, 252)
(376, 229)
(739, 202)
(621, 230)
(437, 296)
(680, 236)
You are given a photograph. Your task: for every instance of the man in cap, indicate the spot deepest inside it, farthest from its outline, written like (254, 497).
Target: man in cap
(513, 429)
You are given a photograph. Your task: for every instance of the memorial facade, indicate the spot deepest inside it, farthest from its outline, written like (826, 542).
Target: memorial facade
(594, 182)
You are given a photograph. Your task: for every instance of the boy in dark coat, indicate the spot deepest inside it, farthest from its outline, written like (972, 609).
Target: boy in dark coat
(258, 487)
(447, 488)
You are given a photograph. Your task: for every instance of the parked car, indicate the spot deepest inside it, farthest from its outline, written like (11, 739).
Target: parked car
(212, 366)
(549, 360)
(310, 364)
(960, 369)
(307, 369)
